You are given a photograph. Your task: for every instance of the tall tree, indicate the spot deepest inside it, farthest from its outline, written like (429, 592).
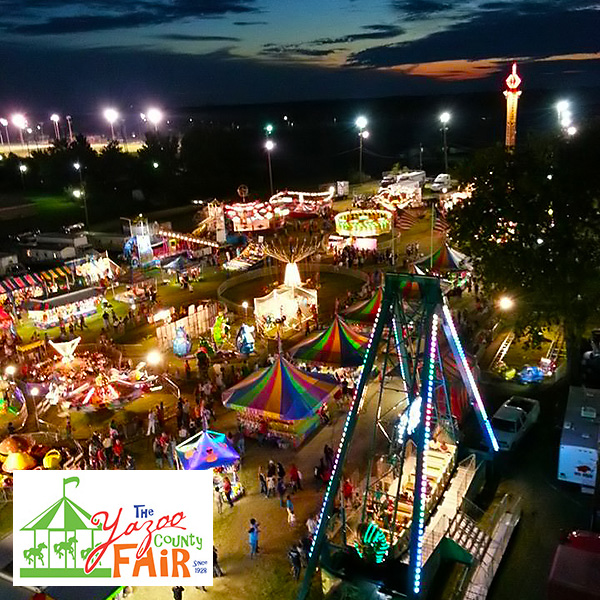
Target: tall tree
(532, 227)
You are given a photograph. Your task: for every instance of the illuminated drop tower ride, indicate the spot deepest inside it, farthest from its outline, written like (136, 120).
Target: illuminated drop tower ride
(415, 328)
(512, 94)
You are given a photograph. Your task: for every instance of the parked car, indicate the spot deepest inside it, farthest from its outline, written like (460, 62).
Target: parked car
(441, 183)
(513, 419)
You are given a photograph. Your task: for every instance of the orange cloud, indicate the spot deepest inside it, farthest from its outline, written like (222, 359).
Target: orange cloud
(453, 70)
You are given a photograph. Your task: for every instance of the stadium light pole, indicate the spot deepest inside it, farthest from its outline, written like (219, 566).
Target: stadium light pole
(55, 119)
(111, 115)
(361, 123)
(445, 119)
(269, 145)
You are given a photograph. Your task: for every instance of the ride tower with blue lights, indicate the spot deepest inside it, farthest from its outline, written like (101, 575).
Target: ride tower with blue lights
(415, 328)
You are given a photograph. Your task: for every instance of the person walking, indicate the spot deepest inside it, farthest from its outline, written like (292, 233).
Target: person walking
(271, 486)
(295, 478)
(178, 592)
(262, 480)
(158, 452)
(281, 487)
(296, 561)
(289, 506)
(219, 500)
(151, 422)
(227, 490)
(253, 537)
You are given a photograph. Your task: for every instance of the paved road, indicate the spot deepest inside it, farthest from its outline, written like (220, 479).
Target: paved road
(549, 507)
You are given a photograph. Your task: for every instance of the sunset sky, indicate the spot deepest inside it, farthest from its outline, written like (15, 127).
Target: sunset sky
(189, 52)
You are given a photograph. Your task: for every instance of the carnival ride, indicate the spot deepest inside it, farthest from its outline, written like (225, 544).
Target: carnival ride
(365, 222)
(289, 305)
(404, 505)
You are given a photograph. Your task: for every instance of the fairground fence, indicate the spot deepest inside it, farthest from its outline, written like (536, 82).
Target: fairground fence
(196, 323)
(276, 274)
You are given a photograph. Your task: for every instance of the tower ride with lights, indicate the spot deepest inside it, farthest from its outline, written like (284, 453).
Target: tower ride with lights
(391, 542)
(512, 94)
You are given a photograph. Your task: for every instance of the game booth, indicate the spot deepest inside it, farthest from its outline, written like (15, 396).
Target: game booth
(63, 306)
(211, 450)
(281, 403)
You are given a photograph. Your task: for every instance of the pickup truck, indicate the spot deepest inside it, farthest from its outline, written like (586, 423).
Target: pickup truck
(513, 419)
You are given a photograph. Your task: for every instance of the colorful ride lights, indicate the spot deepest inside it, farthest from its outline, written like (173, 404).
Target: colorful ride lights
(426, 438)
(471, 380)
(349, 417)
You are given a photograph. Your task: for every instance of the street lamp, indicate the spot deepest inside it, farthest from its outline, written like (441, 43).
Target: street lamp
(4, 123)
(444, 119)
(361, 123)
(111, 115)
(269, 145)
(155, 165)
(268, 129)
(55, 119)
(22, 171)
(154, 358)
(572, 130)
(20, 122)
(155, 116)
(245, 307)
(505, 303)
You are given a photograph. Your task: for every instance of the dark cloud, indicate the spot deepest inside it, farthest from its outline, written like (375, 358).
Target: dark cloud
(495, 35)
(420, 7)
(290, 53)
(246, 23)
(373, 32)
(183, 37)
(152, 12)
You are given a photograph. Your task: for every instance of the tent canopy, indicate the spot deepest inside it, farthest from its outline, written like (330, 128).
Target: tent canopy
(339, 345)
(63, 515)
(366, 310)
(206, 450)
(281, 391)
(446, 259)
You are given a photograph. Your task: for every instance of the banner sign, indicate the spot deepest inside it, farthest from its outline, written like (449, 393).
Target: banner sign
(102, 527)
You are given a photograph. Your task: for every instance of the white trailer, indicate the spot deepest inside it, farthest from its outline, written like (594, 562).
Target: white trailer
(580, 439)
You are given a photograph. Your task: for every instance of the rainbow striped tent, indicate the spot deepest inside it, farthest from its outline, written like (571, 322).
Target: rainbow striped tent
(366, 310)
(281, 391)
(338, 345)
(446, 259)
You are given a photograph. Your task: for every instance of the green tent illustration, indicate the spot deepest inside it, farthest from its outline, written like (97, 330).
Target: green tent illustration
(66, 517)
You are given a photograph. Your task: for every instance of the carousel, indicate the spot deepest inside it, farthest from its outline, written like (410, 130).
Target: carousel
(366, 222)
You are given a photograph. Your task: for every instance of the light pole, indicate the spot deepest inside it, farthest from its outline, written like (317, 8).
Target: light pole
(55, 119)
(69, 118)
(34, 393)
(155, 116)
(361, 123)
(20, 122)
(269, 145)
(77, 166)
(22, 171)
(444, 119)
(111, 115)
(4, 123)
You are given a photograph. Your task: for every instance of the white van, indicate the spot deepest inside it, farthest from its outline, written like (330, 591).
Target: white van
(441, 182)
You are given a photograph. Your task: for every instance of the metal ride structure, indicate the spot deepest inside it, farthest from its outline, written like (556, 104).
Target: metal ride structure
(411, 312)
